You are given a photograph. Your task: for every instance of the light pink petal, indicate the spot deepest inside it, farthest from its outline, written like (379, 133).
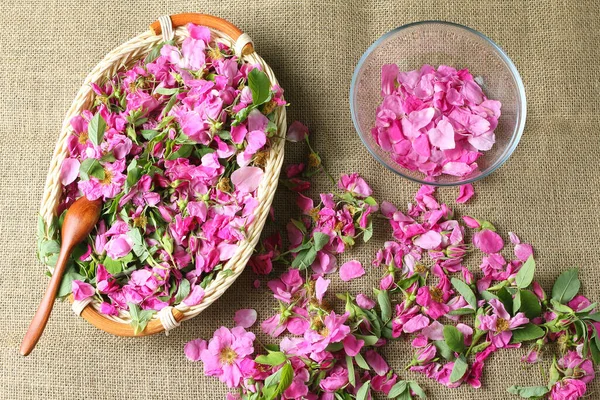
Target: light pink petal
(416, 323)
(245, 317)
(442, 136)
(304, 203)
(483, 142)
(421, 118)
(435, 331)
(466, 192)
(247, 179)
(389, 74)
(321, 286)
(351, 270)
(523, 251)
(457, 168)
(472, 92)
(429, 240)
(194, 348)
(471, 222)
(69, 171)
(365, 302)
(256, 140)
(199, 32)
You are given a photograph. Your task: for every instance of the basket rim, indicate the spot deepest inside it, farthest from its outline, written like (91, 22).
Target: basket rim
(132, 51)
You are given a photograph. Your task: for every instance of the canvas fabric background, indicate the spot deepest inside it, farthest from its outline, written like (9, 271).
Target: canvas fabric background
(548, 192)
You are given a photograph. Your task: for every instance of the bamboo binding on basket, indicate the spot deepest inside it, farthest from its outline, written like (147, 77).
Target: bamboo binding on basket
(124, 56)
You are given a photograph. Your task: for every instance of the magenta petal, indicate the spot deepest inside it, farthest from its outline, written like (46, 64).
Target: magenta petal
(466, 192)
(81, 290)
(375, 361)
(352, 345)
(195, 297)
(297, 132)
(365, 302)
(245, 317)
(351, 270)
(416, 323)
(247, 179)
(488, 241)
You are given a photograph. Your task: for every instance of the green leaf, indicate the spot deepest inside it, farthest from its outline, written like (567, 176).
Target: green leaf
(530, 304)
(273, 359)
(305, 258)
(506, 299)
(350, 366)
(561, 307)
(182, 291)
(139, 245)
(299, 224)
(361, 362)
(525, 274)
(49, 247)
(528, 332)
(396, 390)
(148, 134)
(167, 91)
(154, 53)
(454, 338)
(183, 152)
(465, 291)
(134, 174)
(260, 86)
(66, 282)
(370, 201)
(462, 311)
(272, 379)
(287, 376)
(529, 392)
(517, 301)
(369, 340)
(169, 106)
(593, 317)
(385, 305)
(368, 232)
(363, 392)
(488, 295)
(566, 286)
(112, 266)
(414, 386)
(321, 239)
(91, 167)
(139, 317)
(459, 370)
(96, 129)
(444, 350)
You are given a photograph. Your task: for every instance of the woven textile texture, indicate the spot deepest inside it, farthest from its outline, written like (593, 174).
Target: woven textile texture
(548, 192)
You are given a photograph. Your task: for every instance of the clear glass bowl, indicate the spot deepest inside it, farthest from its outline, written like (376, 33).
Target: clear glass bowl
(436, 43)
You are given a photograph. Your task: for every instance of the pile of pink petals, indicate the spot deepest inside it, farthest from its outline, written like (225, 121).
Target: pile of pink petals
(434, 121)
(175, 147)
(456, 318)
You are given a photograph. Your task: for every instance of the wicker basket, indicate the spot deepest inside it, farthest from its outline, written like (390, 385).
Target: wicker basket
(123, 56)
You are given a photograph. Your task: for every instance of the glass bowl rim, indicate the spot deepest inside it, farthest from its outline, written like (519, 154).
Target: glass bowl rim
(515, 139)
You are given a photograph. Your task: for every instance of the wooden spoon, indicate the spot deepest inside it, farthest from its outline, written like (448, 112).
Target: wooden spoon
(79, 221)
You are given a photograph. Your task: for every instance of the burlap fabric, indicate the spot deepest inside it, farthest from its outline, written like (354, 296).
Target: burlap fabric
(548, 191)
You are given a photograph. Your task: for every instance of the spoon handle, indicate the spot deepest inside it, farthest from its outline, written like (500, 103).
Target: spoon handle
(38, 323)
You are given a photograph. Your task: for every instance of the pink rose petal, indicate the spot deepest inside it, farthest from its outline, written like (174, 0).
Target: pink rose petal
(245, 317)
(69, 171)
(321, 286)
(194, 349)
(247, 179)
(466, 192)
(351, 270)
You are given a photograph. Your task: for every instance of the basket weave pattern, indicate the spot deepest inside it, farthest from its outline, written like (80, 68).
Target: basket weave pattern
(122, 57)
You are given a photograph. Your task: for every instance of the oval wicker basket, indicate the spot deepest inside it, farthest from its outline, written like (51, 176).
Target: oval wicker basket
(122, 57)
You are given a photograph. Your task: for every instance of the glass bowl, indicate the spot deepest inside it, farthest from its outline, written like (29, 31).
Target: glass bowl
(436, 43)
